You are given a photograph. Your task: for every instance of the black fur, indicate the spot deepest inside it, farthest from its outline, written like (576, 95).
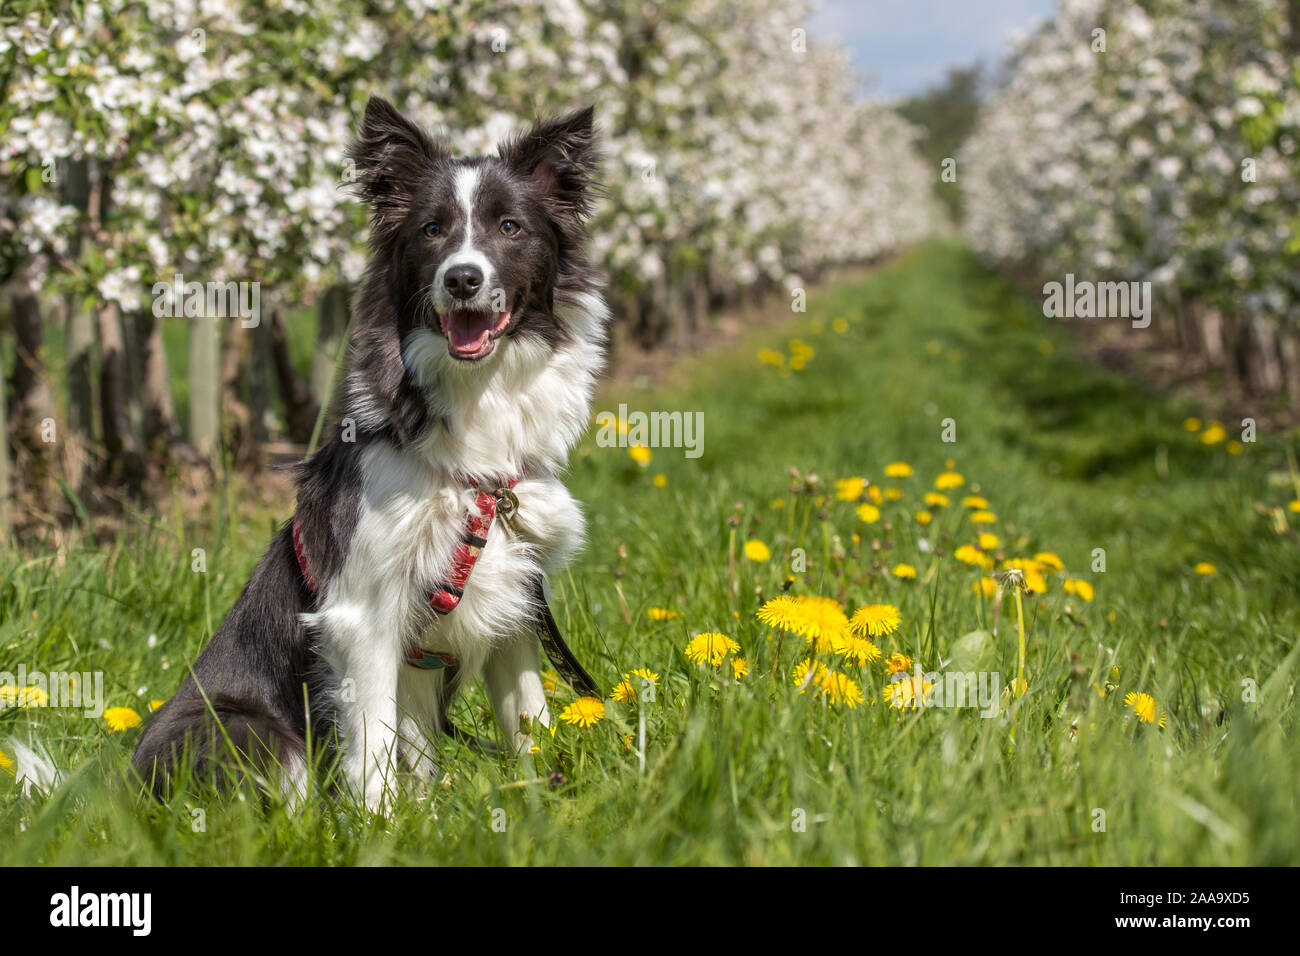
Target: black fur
(251, 674)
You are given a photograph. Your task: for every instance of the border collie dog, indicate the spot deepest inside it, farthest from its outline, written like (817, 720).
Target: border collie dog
(479, 333)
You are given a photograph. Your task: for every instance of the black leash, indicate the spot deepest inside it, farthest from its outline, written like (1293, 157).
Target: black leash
(548, 633)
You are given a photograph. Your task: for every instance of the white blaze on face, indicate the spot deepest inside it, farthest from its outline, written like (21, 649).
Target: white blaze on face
(466, 186)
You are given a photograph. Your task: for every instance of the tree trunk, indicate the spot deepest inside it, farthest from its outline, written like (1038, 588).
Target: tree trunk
(205, 346)
(332, 324)
(300, 410)
(160, 431)
(124, 464)
(623, 328)
(659, 312)
(700, 301)
(1290, 349)
(1266, 371)
(6, 520)
(237, 429)
(1212, 335)
(79, 437)
(31, 405)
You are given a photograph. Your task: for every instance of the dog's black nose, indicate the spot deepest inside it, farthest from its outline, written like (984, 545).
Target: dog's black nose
(463, 282)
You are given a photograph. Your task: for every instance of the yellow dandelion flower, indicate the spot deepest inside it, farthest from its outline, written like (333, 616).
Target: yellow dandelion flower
(818, 620)
(710, 647)
(898, 469)
(776, 504)
(906, 692)
(949, 480)
(875, 495)
(898, 664)
(936, 500)
(1145, 708)
(983, 517)
(780, 612)
(974, 501)
(969, 554)
(802, 677)
(837, 687)
(875, 620)
(660, 480)
(771, 357)
(155, 704)
(1235, 447)
(869, 513)
(739, 667)
(1294, 506)
(1205, 567)
(121, 718)
(893, 494)
(822, 622)
(840, 326)
(1213, 434)
(857, 649)
(623, 692)
(6, 763)
(30, 696)
(662, 613)
(850, 489)
(989, 541)
(1079, 588)
(904, 571)
(1192, 424)
(756, 550)
(640, 454)
(1050, 559)
(986, 586)
(646, 674)
(923, 518)
(584, 712)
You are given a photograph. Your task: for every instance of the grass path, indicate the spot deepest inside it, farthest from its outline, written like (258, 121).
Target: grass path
(1071, 460)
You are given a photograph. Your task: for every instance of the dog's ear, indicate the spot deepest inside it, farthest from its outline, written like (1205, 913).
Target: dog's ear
(560, 156)
(390, 154)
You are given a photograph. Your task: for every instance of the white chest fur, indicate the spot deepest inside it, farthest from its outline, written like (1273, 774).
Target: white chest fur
(519, 417)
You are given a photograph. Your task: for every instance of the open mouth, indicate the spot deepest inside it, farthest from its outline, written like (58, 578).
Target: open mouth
(471, 335)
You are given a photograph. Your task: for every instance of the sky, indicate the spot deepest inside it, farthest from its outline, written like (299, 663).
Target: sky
(908, 45)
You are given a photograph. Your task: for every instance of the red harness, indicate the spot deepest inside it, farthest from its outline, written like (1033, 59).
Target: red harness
(445, 596)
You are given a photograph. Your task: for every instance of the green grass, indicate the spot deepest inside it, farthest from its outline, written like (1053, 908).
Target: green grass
(1071, 458)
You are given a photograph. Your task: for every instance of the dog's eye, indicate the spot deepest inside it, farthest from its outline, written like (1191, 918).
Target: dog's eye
(511, 228)
(432, 230)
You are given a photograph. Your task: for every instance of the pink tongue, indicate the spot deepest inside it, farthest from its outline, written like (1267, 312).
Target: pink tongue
(468, 331)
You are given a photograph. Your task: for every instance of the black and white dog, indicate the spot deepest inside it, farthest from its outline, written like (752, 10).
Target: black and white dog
(479, 334)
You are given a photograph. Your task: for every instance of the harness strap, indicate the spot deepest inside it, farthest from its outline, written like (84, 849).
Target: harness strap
(300, 552)
(445, 596)
(473, 538)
